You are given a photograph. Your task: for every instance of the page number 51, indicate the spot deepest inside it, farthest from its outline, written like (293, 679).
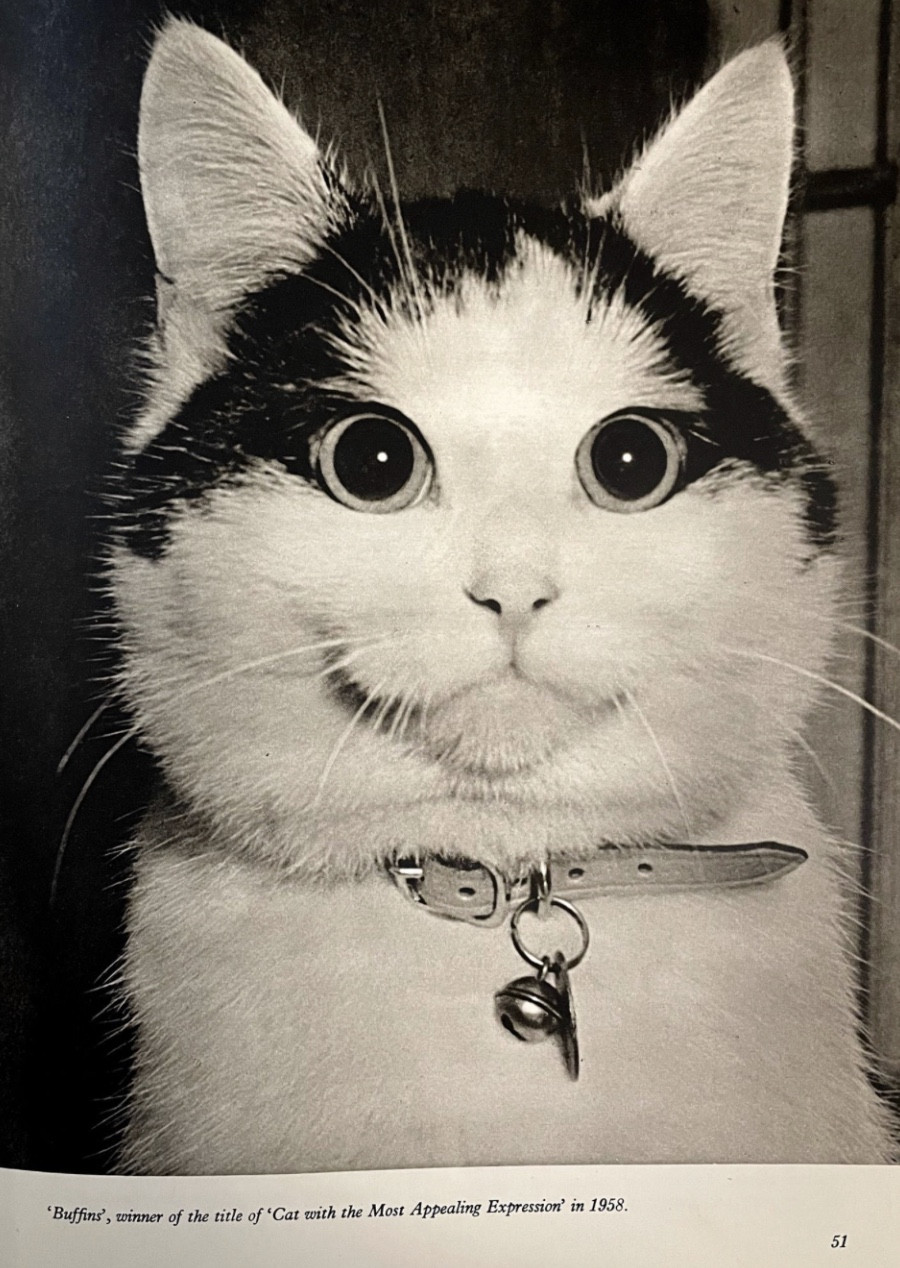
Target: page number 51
(839, 1241)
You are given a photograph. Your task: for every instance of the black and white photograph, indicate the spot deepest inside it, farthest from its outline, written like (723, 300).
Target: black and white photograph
(450, 528)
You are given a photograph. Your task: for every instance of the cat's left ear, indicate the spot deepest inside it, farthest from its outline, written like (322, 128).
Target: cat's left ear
(708, 198)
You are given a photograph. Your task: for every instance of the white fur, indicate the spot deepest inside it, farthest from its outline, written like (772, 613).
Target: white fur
(293, 1013)
(233, 191)
(288, 1027)
(708, 199)
(232, 184)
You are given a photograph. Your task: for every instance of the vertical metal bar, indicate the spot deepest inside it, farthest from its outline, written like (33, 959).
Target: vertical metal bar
(792, 22)
(873, 785)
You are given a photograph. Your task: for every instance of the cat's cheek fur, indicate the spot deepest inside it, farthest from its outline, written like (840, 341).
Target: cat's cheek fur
(675, 700)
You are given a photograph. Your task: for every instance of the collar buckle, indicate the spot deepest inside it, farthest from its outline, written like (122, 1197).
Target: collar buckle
(476, 893)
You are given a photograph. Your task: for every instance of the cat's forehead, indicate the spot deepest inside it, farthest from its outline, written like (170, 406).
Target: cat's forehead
(498, 329)
(541, 343)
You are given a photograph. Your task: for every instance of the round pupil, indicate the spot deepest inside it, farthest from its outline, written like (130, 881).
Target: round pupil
(374, 459)
(629, 459)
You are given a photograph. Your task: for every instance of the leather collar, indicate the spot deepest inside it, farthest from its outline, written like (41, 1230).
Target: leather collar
(481, 895)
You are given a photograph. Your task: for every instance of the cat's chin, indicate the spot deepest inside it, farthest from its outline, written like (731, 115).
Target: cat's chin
(505, 726)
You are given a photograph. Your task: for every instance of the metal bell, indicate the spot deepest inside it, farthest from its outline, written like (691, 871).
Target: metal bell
(531, 1009)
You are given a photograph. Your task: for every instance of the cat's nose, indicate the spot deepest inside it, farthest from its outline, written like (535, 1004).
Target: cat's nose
(513, 601)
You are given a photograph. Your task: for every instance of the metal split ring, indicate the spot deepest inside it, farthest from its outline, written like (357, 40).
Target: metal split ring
(542, 889)
(533, 904)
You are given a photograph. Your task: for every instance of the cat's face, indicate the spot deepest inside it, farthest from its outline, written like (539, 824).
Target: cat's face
(476, 529)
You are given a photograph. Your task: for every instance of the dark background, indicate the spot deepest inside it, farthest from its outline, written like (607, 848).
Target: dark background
(515, 96)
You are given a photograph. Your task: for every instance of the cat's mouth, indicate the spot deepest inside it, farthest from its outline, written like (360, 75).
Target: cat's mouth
(498, 727)
(506, 726)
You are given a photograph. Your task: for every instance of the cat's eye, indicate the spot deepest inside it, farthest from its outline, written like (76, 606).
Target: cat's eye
(630, 461)
(373, 460)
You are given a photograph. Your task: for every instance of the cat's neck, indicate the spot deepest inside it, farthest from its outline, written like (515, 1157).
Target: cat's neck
(772, 809)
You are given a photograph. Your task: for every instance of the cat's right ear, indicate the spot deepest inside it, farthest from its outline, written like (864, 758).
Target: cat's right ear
(234, 189)
(708, 197)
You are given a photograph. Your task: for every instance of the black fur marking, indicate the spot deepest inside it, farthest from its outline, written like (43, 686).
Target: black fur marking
(360, 704)
(742, 420)
(275, 391)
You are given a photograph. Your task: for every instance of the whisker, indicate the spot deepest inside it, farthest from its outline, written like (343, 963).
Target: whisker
(401, 718)
(395, 193)
(377, 300)
(815, 759)
(182, 692)
(337, 666)
(226, 674)
(382, 207)
(629, 696)
(819, 678)
(342, 740)
(408, 717)
(82, 732)
(399, 724)
(79, 801)
(382, 713)
(873, 638)
(332, 290)
(392, 733)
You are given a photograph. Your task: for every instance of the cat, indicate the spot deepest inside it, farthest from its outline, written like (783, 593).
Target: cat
(485, 539)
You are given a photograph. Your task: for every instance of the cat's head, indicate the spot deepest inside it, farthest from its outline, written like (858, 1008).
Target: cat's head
(465, 526)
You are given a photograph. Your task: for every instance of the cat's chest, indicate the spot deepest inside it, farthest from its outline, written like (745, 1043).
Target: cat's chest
(290, 1028)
